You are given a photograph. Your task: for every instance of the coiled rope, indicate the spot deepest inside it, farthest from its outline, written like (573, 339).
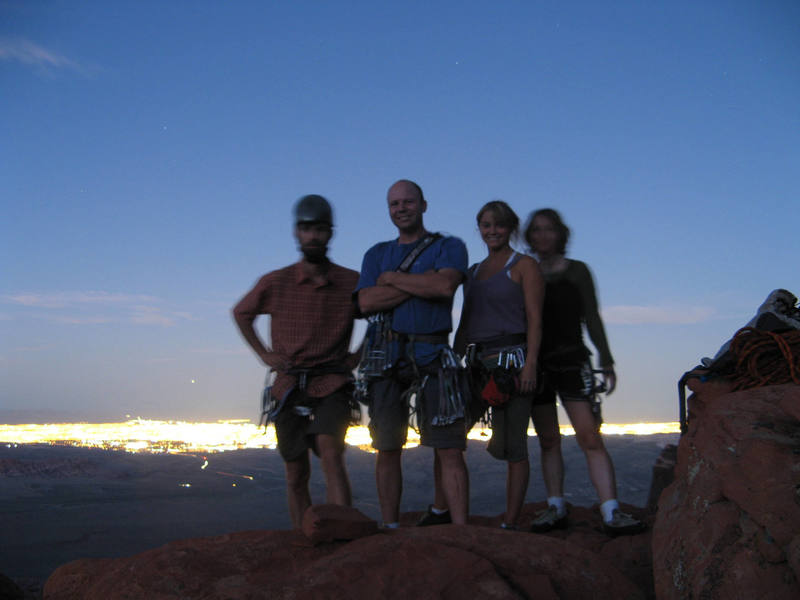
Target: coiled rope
(765, 357)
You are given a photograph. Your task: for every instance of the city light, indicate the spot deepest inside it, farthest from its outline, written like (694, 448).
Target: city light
(145, 435)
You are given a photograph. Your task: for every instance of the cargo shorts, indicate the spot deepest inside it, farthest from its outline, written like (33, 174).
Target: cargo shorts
(389, 413)
(297, 433)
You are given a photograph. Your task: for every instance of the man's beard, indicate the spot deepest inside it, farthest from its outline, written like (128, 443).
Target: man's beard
(315, 254)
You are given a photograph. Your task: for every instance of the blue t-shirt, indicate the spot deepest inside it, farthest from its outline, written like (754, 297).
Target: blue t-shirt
(417, 315)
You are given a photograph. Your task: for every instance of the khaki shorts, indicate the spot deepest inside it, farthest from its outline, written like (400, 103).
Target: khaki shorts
(509, 439)
(297, 434)
(389, 414)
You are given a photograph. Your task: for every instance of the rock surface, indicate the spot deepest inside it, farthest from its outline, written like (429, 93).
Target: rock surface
(729, 525)
(456, 562)
(330, 522)
(10, 590)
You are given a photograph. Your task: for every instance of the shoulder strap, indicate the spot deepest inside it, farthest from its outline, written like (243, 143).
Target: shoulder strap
(416, 251)
(513, 259)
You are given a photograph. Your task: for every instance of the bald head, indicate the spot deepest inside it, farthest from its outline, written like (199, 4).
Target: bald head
(408, 185)
(406, 206)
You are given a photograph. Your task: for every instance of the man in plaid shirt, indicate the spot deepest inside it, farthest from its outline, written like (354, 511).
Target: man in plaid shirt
(312, 316)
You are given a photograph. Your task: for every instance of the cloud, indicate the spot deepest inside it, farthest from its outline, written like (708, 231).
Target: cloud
(150, 315)
(65, 299)
(660, 315)
(81, 308)
(180, 314)
(68, 320)
(39, 348)
(28, 53)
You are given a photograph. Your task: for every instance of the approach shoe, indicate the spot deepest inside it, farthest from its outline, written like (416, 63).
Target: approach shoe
(547, 520)
(431, 518)
(623, 524)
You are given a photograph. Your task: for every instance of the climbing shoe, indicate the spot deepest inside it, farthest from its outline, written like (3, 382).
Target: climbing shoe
(623, 524)
(547, 520)
(431, 518)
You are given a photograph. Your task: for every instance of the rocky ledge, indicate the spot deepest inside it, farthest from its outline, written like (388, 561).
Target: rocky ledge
(729, 524)
(431, 562)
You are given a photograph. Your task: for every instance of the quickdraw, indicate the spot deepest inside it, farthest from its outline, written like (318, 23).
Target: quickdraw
(451, 400)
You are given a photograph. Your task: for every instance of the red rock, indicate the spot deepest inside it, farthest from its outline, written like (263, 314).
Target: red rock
(709, 389)
(431, 562)
(793, 556)
(726, 526)
(329, 522)
(10, 590)
(663, 475)
(790, 406)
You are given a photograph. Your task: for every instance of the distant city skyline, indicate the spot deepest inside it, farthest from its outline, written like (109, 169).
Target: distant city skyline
(152, 152)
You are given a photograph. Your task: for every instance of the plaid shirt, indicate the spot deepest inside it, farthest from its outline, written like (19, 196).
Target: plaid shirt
(311, 324)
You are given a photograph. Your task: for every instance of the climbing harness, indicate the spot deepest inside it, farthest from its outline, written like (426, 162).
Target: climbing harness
(304, 407)
(379, 352)
(492, 367)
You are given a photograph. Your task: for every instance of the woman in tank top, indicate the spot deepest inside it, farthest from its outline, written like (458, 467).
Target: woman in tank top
(570, 304)
(502, 317)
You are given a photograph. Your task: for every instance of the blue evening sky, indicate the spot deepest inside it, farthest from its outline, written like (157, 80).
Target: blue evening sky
(150, 153)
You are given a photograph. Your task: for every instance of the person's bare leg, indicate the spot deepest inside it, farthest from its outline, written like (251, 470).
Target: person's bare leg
(601, 469)
(545, 422)
(389, 479)
(455, 483)
(297, 475)
(331, 456)
(516, 488)
(439, 500)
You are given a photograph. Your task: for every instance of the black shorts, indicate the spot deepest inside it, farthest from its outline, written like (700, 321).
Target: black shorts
(570, 382)
(389, 413)
(297, 433)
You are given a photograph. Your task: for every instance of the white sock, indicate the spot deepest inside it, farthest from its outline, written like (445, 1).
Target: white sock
(439, 511)
(559, 504)
(394, 525)
(607, 509)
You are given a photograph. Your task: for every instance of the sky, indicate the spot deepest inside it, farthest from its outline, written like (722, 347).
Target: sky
(151, 152)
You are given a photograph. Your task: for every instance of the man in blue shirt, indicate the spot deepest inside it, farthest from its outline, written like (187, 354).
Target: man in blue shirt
(418, 305)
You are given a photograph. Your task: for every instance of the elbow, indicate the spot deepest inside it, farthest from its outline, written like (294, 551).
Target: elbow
(363, 309)
(242, 318)
(448, 290)
(363, 305)
(444, 288)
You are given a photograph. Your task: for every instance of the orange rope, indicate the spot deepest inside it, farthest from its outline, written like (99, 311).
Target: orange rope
(765, 357)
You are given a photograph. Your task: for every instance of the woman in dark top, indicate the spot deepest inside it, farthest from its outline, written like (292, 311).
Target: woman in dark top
(502, 317)
(566, 371)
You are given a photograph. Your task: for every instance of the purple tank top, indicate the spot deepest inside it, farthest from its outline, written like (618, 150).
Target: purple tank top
(494, 306)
